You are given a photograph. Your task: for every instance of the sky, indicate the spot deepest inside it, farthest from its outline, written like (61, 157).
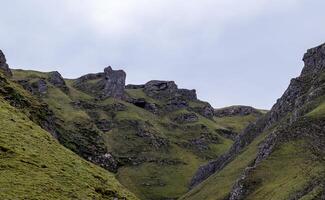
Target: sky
(233, 52)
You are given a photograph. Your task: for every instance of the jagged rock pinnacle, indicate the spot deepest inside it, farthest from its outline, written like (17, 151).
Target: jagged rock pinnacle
(3, 65)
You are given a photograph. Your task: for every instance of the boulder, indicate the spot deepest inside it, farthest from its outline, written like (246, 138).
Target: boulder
(4, 67)
(111, 83)
(160, 89)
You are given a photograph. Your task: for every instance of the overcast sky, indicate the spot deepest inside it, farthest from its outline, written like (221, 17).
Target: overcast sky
(231, 51)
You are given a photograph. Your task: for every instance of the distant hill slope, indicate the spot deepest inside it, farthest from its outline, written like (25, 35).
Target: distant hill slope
(154, 136)
(282, 155)
(33, 165)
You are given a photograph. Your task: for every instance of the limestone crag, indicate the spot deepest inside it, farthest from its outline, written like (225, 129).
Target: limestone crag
(4, 67)
(114, 83)
(57, 80)
(111, 83)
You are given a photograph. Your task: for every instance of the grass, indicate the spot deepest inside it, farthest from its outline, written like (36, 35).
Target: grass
(318, 112)
(35, 166)
(285, 172)
(236, 123)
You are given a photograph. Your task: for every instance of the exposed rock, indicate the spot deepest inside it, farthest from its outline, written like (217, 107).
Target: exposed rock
(57, 80)
(145, 131)
(4, 67)
(235, 111)
(106, 161)
(187, 94)
(114, 83)
(176, 104)
(131, 86)
(206, 110)
(37, 88)
(186, 118)
(160, 89)
(111, 83)
(168, 90)
(142, 103)
(41, 86)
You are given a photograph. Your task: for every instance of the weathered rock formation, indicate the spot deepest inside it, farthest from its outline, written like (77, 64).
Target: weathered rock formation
(114, 82)
(57, 80)
(111, 83)
(168, 90)
(4, 67)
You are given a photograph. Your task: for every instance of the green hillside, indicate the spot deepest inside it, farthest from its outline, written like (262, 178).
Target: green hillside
(154, 153)
(35, 166)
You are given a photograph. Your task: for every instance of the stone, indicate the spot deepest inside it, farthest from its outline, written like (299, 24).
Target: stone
(114, 83)
(142, 103)
(131, 86)
(57, 80)
(111, 83)
(187, 94)
(160, 89)
(168, 90)
(4, 67)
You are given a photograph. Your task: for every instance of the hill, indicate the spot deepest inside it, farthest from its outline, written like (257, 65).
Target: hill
(280, 156)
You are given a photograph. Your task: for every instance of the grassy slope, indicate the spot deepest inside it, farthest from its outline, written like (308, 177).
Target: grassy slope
(152, 179)
(236, 123)
(288, 170)
(35, 166)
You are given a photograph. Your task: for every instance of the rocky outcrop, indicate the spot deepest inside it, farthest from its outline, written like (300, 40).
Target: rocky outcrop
(142, 103)
(111, 83)
(57, 80)
(114, 82)
(4, 67)
(132, 86)
(168, 90)
(235, 111)
(292, 105)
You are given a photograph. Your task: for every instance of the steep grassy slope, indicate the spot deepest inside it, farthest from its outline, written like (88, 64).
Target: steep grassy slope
(154, 151)
(282, 156)
(33, 165)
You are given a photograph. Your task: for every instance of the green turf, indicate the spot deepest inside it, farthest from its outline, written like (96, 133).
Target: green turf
(33, 165)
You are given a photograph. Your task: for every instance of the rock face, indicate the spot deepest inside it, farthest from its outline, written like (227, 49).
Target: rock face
(111, 83)
(235, 111)
(57, 80)
(114, 82)
(3, 65)
(168, 90)
(301, 91)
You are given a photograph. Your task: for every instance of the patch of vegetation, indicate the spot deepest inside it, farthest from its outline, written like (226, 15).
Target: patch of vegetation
(35, 166)
(236, 123)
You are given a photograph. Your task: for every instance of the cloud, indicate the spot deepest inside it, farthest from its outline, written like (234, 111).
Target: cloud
(231, 51)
